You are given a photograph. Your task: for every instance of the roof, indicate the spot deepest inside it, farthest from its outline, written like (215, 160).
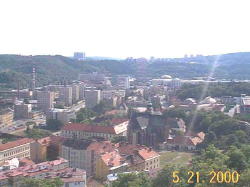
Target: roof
(47, 170)
(112, 159)
(117, 121)
(44, 141)
(101, 147)
(16, 143)
(148, 153)
(89, 128)
(77, 144)
(189, 139)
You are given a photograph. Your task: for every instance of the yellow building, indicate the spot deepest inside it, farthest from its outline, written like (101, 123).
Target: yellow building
(39, 149)
(108, 163)
(152, 158)
(6, 118)
(16, 149)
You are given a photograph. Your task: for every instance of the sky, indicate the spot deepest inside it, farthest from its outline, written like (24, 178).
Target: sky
(124, 28)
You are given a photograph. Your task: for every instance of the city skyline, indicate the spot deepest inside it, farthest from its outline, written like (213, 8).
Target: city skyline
(122, 29)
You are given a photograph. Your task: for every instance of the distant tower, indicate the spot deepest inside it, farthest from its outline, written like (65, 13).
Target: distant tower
(33, 78)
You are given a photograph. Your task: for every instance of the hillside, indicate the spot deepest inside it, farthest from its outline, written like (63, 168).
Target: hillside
(58, 68)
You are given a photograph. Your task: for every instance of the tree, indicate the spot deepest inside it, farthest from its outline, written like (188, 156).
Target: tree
(165, 176)
(84, 114)
(132, 180)
(54, 125)
(31, 182)
(37, 133)
(237, 159)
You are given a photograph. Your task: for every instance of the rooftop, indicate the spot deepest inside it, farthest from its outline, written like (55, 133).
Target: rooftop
(16, 143)
(89, 128)
(64, 172)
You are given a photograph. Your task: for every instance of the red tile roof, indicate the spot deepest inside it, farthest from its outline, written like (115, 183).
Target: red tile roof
(89, 128)
(148, 153)
(44, 141)
(112, 159)
(117, 121)
(16, 143)
(101, 147)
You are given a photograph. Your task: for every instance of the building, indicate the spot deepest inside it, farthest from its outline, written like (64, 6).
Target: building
(123, 82)
(75, 93)
(127, 157)
(187, 142)
(45, 100)
(92, 98)
(84, 153)
(147, 128)
(39, 149)
(22, 110)
(83, 131)
(245, 103)
(108, 163)
(63, 115)
(71, 177)
(75, 151)
(15, 149)
(79, 55)
(81, 91)
(65, 95)
(6, 118)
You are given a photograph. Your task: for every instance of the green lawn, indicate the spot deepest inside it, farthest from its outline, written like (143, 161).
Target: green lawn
(179, 158)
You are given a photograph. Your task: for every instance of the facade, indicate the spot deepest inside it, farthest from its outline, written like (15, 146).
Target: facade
(6, 118)
(109, 163)
(126, 157)
(123, 82)
(22, 111)
(39, 149)
(151, 158)
(147, 128)
(15, 149)
(45, 100)
(63, 115)
(65, 95)
(84, 153)
(75, 151)
(83, 131)
(81, 91)
(186, 142)
(71, 177)
(245, 103)
(92, 98)
(79, 55)
(75, 93)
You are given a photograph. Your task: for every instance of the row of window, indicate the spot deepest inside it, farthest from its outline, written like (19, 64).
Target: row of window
(153, 167)
(155, 160)
(82, 133)
(16, 151)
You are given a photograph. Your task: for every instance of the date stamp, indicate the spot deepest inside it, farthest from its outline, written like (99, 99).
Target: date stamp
(213, 177)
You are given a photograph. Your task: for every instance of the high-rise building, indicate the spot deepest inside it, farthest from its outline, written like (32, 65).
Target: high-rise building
(65, 95)
(123, 82)
(62, 115)
(45, 100)
(92, 98)
(81, 91)
(79, 55)
(22, 110)
(75, 93)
